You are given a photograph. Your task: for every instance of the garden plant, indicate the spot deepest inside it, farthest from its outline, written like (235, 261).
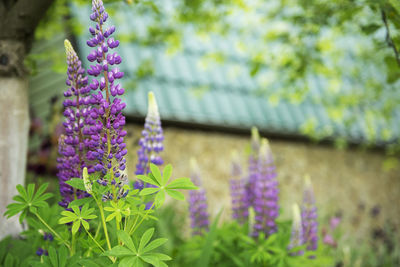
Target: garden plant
(101, 217)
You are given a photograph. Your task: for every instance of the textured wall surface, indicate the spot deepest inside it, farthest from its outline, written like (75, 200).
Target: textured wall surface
(14, 126)
(352, 181)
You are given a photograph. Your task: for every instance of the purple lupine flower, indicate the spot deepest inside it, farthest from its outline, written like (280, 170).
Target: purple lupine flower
(198, 203)
(248, 196)
(40, 251)
(108, 148)
(76, 111)
(237, 186)
(309, 216)
(297, 237)
(151, 142)
(266, 191)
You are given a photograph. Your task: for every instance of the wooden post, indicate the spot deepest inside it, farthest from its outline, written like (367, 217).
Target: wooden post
(14, 127)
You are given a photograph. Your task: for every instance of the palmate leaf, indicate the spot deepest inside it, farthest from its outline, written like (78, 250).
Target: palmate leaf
(27, 200)
(76, 183)
(162, 185)
(78, 217)
(130, 256)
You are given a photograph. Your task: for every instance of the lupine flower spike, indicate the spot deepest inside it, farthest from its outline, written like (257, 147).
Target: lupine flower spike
(266, 193)
(297, 238)
(309, 216)
(248, 197)
(237, 184)
(151, 142)
(72, 144)
(198, 203)
(108, 148)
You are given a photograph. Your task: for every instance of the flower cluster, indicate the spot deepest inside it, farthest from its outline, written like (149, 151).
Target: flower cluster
(237, 186)
(309, 216)
(265, 193)
(297, 237)
(259, 192)
(108, 148)
(198, 203)
(248, 196)
(73, 144)
(151, 142)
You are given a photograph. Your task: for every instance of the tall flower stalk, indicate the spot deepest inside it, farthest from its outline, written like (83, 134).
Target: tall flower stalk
(253, 171)
(107, 146)
(151, 142)
(198, 203)
(238, 187)
(72, 145)
(297, 237)
(309, 216)
(266, 191)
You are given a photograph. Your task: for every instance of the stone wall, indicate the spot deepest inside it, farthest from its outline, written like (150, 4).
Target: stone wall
(348, 181)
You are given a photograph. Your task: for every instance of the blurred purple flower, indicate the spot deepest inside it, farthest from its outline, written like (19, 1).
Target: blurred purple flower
(248, 196)
(198, 203)
(297, 237)
(309, 216)
(334, 222)
(266, 192)
(151, 142)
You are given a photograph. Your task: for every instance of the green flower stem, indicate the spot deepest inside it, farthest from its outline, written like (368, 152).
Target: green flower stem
(73, 241)
(94, 240)
(52, 231)
(103, 220)
(98, 230)
(135, 226)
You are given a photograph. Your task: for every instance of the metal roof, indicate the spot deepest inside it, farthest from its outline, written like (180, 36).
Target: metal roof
(222, 94)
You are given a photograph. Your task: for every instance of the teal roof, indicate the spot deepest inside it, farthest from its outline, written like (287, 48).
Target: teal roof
(223, 94)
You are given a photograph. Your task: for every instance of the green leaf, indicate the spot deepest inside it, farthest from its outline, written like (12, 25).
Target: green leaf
(85, 224)
(396, 5)
(149, 259)
(155, 171)
(118, 251)
(145, 239)
(65, 220)
(128, 262)
(127, 240)
(167, 172)
(76, 183)
(160, 256)
(41, 190)
(110, 217)
(181, 183)
(148, 179)
(53, 256)
(154, 244)
(9, 261)
(208, 246)
(75, 226)
(30, 191)
(62, 256)
(80, 201)
(22, 192)
(175, 194)
(148, 191)
(160, 198)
